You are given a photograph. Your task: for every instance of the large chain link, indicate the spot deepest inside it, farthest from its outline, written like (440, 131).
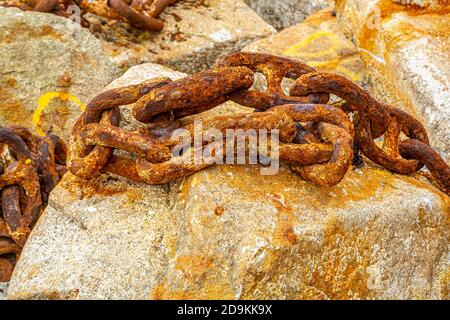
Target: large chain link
(30, 169)
(318, 140)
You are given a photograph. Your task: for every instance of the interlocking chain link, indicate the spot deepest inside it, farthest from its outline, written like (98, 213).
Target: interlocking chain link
(317, 139)
(30, 169)
(141, 14)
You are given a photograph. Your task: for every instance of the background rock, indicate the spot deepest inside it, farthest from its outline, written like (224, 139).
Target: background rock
(195, 35)
(406, 53)
(3, 287)
(319, 42)
(228, 232)
(43, 53)
(283, 14)
(423, 3)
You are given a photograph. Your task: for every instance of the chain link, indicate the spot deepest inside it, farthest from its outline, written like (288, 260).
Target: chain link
(138, 13)
(31, 168)
(318, 140)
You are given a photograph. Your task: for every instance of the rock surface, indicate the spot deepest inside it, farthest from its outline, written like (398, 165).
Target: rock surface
(320, 43)
(48, 57)
(195, 35)
(283, 14)
(228, 232)
(3, 288)
(423, 3)
(406, 52)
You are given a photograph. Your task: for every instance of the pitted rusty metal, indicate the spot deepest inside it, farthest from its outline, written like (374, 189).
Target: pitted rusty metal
(359, 100)
(140, 14)
(158, 6)
(274, 69)
(374, 119)
(29, 172)
(86, 160)
(138, 19)
(317, 140)
(193, 94)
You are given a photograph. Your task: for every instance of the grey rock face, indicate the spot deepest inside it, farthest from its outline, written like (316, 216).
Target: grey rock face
(41, 54)
(3, 288)
(195, 35)
(283, 14)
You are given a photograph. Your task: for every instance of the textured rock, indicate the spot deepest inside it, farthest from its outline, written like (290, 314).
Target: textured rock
(228, 232)
(41, 54)
(3, 287)
(320, 43)
(406, 52)
(196, 33)
(283, 14)
(423, 3)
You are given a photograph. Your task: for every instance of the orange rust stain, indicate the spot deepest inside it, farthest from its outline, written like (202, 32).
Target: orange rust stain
(218, 211)
(337, 277)
(356, 187)
(11, 109)
(46, 31)
(201, 281)
(192, 266)
(284, 230)
(387, 9)
(89, 188)
(64, 80)
(206, 292)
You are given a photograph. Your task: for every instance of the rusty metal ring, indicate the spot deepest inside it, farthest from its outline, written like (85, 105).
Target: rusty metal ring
(333, 126)
(158, 6)
(198, 92)
(418, 150)
(135, 18)
(85, 161)
(340, 86)
(274, 69)
(389, 156)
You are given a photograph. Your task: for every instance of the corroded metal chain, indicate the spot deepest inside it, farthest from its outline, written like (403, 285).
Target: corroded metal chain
(139, 13)
(316, 139)
(30, 169)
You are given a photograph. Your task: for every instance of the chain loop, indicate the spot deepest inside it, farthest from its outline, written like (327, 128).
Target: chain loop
(31, 168)
(274, 69)
(317, 140)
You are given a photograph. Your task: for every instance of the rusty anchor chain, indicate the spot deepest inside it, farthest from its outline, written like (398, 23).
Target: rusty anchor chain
(141, 14)
(317, 140)
(30, 169)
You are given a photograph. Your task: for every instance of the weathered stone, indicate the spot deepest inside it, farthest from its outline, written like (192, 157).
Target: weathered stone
(319, 42)
(228, 232)
(283, 14)
(3, 288)
(406, 52)
(423, 3)
(43, 56)
(195, 35)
